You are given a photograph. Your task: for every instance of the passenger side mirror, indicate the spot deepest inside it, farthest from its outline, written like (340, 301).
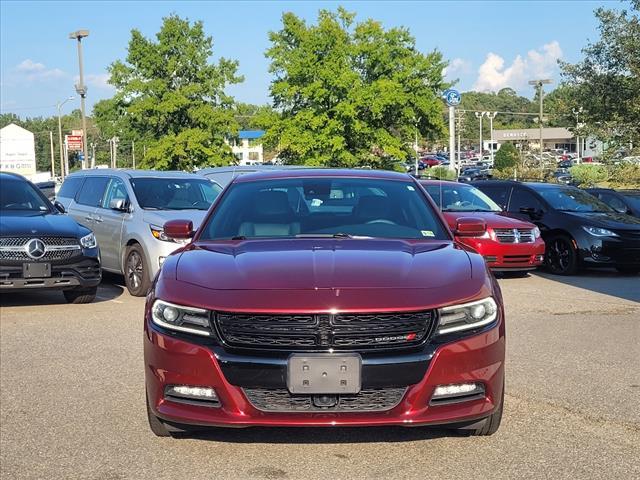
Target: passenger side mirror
(119, 204)
(470, 227)
(59, 207)
(179, 229)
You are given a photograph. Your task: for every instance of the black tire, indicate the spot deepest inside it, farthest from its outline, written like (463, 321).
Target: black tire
(628, 270)
(561, 257)
(136, 274)
(491, 423)
(80, 295)
(155, 424)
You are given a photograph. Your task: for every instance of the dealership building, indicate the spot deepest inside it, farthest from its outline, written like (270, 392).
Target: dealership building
(552, 138)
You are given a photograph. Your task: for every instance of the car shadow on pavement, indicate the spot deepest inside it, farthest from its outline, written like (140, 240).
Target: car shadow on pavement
(106, 291)
(607, 282)
(323, 435)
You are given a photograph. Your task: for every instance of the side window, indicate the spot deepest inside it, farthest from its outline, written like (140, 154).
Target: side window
(499, 194)
(70, 187)
(115, 191)
(92, 191)
(521, 198)
(614, 202)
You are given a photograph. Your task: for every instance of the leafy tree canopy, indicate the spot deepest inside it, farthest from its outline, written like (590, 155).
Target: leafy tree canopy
(350, 94)
(506, 157)
(170, 96)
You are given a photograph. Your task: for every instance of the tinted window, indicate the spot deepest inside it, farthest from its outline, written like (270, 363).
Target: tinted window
(324, 207)
(614, 202)
(174, 193)
(461, 198)
(115, 191)
(20, 197)
(70, 187)
(497, 193)
(521, 198)
(632, 199)
(92, 191)
(571, 199)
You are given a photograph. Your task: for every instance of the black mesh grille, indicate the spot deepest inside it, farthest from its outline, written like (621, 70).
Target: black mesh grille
(320, 332)
(48, 240)
(280, 400)
(11, 249)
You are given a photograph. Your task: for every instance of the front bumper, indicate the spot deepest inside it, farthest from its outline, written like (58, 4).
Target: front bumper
(508, 256)
(610, 251)
(83, 272)
(170, 360)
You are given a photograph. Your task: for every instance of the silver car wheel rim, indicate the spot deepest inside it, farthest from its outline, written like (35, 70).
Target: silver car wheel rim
(134, 270)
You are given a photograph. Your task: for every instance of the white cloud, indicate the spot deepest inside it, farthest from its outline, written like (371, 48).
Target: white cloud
(539, 63)
(96, 80)
(34, 71)
(457, 66)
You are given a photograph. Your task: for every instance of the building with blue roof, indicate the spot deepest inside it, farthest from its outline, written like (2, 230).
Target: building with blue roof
(247, 147)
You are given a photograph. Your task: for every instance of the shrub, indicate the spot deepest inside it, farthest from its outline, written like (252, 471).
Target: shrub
(624, 175)
(506, 157)
(589, 175)
(440, 173)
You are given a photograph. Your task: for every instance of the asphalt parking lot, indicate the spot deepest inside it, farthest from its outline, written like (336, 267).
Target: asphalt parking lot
(72, 399)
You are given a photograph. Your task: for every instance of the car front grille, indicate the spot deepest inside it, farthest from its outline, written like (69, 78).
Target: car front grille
(321, 332)
(280, 400)
(514, 235)
(56, 249)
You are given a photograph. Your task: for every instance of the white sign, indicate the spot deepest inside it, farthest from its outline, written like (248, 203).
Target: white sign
(17, 151)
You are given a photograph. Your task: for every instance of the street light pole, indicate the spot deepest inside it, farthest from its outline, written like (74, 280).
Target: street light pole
(480, 115)
(491, 116)
(539, 85)
(577, 112)
(416, 142)
(81, 89)
(59, 107)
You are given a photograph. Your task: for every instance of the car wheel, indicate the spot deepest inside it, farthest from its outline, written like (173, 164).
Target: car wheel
(561, 257)
(136, 276)
(80, 295)
(491, 423)
(629, 270)
(155, 424)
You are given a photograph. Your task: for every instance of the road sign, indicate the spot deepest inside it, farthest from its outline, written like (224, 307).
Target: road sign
(74, 142)
(76, 132)
(452, 97)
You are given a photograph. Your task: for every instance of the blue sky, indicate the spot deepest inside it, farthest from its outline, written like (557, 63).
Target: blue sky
(490, 44)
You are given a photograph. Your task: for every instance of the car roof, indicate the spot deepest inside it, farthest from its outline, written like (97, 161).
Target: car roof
(248, 168)
(323, 172)
(445, 182)
(127, 173)
(12, 176)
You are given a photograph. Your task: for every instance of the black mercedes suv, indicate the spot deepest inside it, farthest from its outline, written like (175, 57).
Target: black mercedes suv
(40, 248)
(578, 229)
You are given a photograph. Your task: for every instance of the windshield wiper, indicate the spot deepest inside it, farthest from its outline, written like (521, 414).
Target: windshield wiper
(324, 235)
(239, 237)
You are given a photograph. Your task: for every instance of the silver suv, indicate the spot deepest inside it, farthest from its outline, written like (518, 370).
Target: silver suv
(127, 210)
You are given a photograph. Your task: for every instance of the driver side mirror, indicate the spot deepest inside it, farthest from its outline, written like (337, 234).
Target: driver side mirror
(179, 229)
(119, 204)
(531, 211)
(59, 207)
(470, 227)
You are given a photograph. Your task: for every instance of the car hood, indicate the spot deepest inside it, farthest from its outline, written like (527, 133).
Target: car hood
(40, 225)
(306, 264)
(612, 220)
(492, 219)
(160, 217)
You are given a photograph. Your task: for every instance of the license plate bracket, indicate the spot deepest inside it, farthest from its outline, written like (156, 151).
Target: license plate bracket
(324, 373)
(36, 270)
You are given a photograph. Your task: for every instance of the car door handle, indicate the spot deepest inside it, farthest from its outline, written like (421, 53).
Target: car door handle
(97, 219)
(89, 218)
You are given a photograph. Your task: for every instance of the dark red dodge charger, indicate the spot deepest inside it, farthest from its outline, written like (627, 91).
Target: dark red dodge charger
(324, 298)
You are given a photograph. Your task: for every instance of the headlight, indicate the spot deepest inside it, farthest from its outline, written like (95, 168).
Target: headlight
(536, 233)
(467, 316)
(599, 232)
(180, 318)
(158, 232)
(89, 241)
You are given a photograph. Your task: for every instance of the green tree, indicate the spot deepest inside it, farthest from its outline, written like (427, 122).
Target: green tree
(606, 83)
(171, 99)
(506, 157)
(350, 94)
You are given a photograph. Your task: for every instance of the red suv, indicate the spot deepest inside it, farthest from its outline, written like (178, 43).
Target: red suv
(324, 298)
(508, 244)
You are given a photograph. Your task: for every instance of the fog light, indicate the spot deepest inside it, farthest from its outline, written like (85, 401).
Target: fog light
(539, 258)
(197, 394)
(460, 392)
(161, 261)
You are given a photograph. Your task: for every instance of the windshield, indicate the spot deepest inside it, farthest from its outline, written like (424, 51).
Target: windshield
(633, 199)
(461, 198)
(174, 193)
(569, 199)
(324, 207)
(21, 198)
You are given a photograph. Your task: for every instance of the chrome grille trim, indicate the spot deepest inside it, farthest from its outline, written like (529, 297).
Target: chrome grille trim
(514, 235)
(56, 248)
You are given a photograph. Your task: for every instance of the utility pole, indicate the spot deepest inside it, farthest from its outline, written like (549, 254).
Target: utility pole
(81, 88)
(459, 126)
(93, 155)
(66, 160)
(480, 115)
(539, 85)
(452, 136)
(133, 153)
(62, 162)
(114, 158)
(577, 112)
(53, 158)
(491, 116)
(416, 142)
